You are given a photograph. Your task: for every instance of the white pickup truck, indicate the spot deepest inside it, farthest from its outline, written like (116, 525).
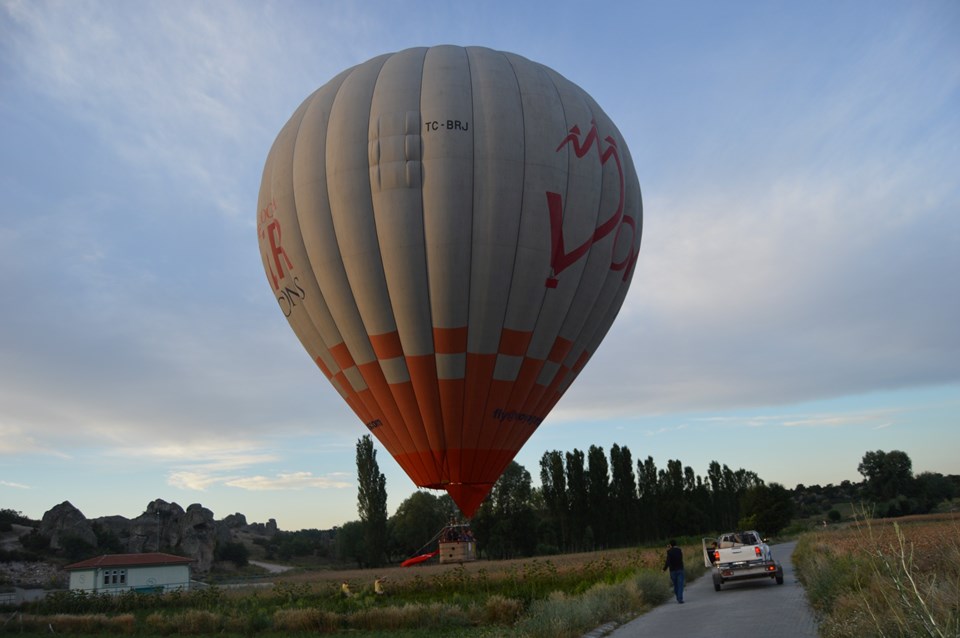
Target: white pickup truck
(740, 556)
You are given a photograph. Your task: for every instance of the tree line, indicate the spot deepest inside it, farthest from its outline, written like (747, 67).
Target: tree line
(603, 499)
(586, 501)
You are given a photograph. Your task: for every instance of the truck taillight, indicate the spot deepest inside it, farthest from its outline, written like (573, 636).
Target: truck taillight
(756, 550)
(716, 557)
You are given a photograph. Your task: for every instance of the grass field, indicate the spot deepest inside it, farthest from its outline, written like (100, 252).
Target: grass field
(886, 577)
(555, 597)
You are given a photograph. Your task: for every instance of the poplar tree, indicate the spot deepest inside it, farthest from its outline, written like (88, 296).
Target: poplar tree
(372, 501)
(553, 484)
(578, 502)
(598, 494)
(623, 496)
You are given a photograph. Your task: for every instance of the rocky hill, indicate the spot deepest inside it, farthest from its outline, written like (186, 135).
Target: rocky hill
(163, 526)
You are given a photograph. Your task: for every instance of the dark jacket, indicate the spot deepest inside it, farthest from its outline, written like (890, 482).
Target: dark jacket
(674, 559)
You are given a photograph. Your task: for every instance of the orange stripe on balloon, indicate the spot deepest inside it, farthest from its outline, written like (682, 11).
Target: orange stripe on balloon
(406, 399)
(423, 378)
(323, 367)
(387, 345)
(522, 386)
(450, 340)
(341, 354)
(416, 474)
(533, 399)
(339, 380)
(468, 496)
(581, 361)
(479, 373)
(551, 391)
(559, 350)
(491, 462)
(529, 370)
(451, 406)
(381, 395)
(384, 399)
(525, 424)
(496, 414)
(527, 376)
(564, 384)
(373, 417)
(514, 342)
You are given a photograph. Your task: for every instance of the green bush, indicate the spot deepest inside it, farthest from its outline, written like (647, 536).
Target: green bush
(654, 589)
(825, 574)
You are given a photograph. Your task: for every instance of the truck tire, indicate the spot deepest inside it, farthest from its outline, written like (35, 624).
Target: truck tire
(717, 582)
(779, 576)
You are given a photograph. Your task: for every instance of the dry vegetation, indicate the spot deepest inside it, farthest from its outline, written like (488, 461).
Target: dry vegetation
(499, 570)
(885, 577)
(555, 597)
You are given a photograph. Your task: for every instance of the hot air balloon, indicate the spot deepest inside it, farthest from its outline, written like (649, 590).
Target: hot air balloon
(450, 233)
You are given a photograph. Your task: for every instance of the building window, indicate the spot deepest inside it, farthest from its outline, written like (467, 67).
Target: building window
(114, 577)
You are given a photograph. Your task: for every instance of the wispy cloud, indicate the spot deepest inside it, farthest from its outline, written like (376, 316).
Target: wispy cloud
(86, 56)
(195, 481)
(864, 419)
(203, 480)
(874, 419)
(18, 486)
(210, 454)
(17, 440)
(292, 481)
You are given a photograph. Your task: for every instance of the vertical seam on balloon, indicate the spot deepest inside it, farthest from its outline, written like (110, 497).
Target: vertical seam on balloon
(352, 394)
(482, 404)
(504, 440)
(345, 383)
(464, 420)
(435, 391)
(415, 454)
(402, 428)
(499, 440)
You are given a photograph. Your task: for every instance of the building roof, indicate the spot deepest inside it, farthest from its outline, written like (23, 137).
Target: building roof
(150, 559)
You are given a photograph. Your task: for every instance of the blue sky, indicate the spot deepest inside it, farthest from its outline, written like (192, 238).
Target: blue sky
(796, 301)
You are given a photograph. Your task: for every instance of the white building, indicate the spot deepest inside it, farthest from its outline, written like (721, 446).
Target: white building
(115, 573)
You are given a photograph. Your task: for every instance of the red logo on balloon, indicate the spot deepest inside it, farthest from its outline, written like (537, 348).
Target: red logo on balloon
(268, 228)
(561, 259)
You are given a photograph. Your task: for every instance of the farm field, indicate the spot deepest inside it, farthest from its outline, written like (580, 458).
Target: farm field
(555, 596)
(885, 577)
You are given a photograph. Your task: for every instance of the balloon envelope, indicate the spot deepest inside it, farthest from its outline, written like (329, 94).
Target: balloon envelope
(450, 232)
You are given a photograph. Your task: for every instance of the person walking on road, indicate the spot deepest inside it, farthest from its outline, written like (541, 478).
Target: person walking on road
(674, 563)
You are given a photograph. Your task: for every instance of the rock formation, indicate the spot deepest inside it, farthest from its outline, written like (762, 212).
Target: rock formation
(163, 526)
(66, 521)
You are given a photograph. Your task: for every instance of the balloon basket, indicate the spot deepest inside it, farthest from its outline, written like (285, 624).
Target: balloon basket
(458, 552)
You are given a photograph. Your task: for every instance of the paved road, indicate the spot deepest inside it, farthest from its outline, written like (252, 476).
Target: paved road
(748, 609)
